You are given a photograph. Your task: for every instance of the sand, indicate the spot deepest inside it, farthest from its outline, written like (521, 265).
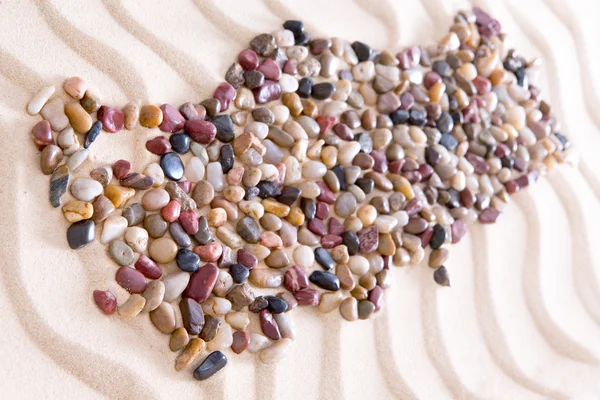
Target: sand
(522, 319)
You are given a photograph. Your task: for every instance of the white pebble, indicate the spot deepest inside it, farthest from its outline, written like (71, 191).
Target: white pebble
(359, 265)
(313, 170)
(175, 284)
(288, 83)
(276, 352)
(293, 172)
(363, 71)
(281, 113)
(284, 38)
(154, 171)
(298, 53)
(137, 238)
(194, 170)
(68, 141)
(269, 172)
(259, 129)
(286, 328)
(114, 227)
(347, 152)
(39, 100)
(86, 189)
(258, 342)
(238, 320)
(385, 223)
(216, 306)
(77, 159)
(222, 340)
(214, 173)
(304, 256)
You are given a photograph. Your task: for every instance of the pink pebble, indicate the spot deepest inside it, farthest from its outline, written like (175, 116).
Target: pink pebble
(248, 59)
(225, 93)
(173, 121)
(189, 221)
(171, 211)
(148, 267)
(131, 280)
(159, 145)
(203, 132)
(42, 134)
(121, 169)
(112, 119)
(106, 301)
(270, 69)
(270, 240)
(210, 252)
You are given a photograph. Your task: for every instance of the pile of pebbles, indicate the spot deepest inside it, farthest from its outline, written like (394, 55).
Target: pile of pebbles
(315, 167)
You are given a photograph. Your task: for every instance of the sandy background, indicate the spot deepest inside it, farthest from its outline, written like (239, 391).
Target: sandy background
(521, 321)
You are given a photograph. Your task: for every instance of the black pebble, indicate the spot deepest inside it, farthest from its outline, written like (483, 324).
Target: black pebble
(187, 260)
(309, 208)
(340, 175)
(92, 134)
(418, 116)
(210, 366)
(297, 27)
(432, 156)
(454, 201)
(302, 39)
(81, 233)
(172, 166)
(351, 241)
(239, 273)
(289, 195)
(400, 116)
(322, 91)
(180, 142)
(325, 280)
(440, 276)
(324, 259)
(366, 184)
(442, 68)
(251, 193)
(507, 162)
(227, 158)
(224, 125)
(276, 305)
(438, 238)
(268, 189)
(363, 51)
(445, 123)
(304, 88)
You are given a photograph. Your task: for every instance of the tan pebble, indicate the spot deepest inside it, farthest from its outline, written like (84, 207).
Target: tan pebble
(310, 108)
(137, 238)
(50, 157)
(293, 103)
(154, 171)
(217, 217)
(242, 143)
(132, 114)
(238, 320)
(38, 101)
(349, 309)
(353, 223)
(234, 194)
(295, 217)
(252, 209)
(329, 156)
(436, 92)
(189, 353)
(132, 307)
(275, 207)
(384, 278)
(234, 176)
(367, 281)
(266, 277)
(75, 87)
(223, 284)
(229, 237)
(417, 256)
(163, 318)
(359, 293)
(155, 199)
(154, 295)
(438, 257)
(340, 254)
(367, 214)
(150, 116)
(216, 306)
(78, 210)
(163, 250)
(179, 339)
(276, 352)
(54, 112)
(330, 301)
(118, 195)
(260, 251)
(386, 247)
(90, 101)
(222, 340)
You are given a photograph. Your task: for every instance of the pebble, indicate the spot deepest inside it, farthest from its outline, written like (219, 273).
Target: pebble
(113, 119)
(163, 318)
(106, 301)
(172, 166)
(41, 134)
(180, 142)
(330, 301)
(154, 295)
(54, 112)
(131, 113)
(325, 280)
(103, 207)
(239, 273)
(75, 211)
(175, 284)
(93, 134)
(50, 157)
(102, 174)
(120, 252)
(189, 353)
(266, 278)
(76, 158)
(179, 339)
(276, 352)
(187, 260)
(214, 173)
(365, 309)
(241, 341)
(150, 116)
(349, 309)
(80, 120)
(210, 366)
(90, 101)
(277, 259)
(85, 189)
(132, 307)
(148, 267)
(240, 296)
(201, 283)
(38, 101)
(163, 250)
(131, 280)
(344, 274)
(440, 276)
(276, 305)
(155, 199)
(269, 325)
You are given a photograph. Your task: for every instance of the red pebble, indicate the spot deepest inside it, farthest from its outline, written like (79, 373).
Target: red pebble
(459, 230)
(241, 340)
(186, 186)
(121, 169)
(387, 260)
(269, 325)
(330, 241)
(148, 267)
(380, 161)
(203, 132)
(159, 145)
(171, 211)
(396, 166)
(131, 280)
(112, 119)
(225, 93)
(269, 91)
(376, 297)
(426, 237)
(210, 252)
(322, 210)
(335, 227)
(41, 133)
(511, 187)
(316, 226)
(479, 163)
(106, 301)
(431, 78)
(247, 259)
(489, 215)
(201, 283)
(307, 297)
(270, 69)
(325, 123)
(502, 150)
(369, 239)
(189, 221)
(248, 59)
(326, 194)
(343, 131)
(295, 279)
(290, 67)
(173, 121)
(413, 176)
(407, 101)
(413, 206)
(426, 171)
(482, 84)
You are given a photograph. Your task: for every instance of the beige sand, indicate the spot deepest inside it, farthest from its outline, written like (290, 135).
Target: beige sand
(521, 321)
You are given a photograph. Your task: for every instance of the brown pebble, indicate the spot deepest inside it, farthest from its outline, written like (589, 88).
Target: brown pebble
(343, 272)
(189, 353)
(179, 339)
(150, 116)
